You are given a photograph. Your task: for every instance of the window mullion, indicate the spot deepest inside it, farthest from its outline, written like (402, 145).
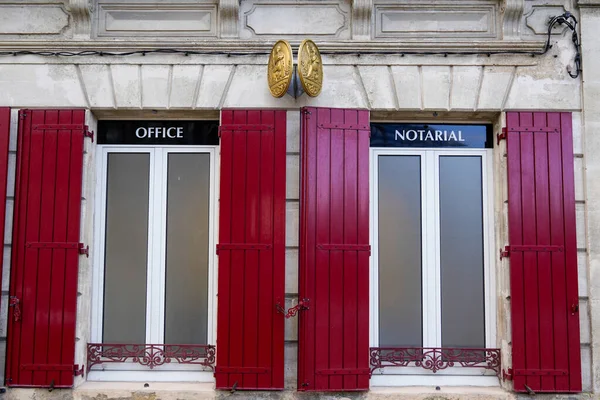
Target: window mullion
(154, 251)
(435, 244)
(430, 287)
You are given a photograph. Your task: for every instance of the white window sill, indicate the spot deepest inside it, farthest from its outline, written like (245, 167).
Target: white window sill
(397, 381)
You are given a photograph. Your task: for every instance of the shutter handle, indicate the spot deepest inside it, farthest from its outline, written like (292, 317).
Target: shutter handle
(574, 309)
(14, 302)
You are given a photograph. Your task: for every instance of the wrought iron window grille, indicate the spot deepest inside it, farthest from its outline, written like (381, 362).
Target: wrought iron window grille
(151, 355)
(434, 358)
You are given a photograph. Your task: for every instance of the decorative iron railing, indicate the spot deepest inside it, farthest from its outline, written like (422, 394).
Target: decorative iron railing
(151, 355)
(434, 358)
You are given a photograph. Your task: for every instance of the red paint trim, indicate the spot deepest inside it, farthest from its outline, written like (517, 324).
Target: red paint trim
(47, 209)
(541, 211)
(334, 244)
(250, 332)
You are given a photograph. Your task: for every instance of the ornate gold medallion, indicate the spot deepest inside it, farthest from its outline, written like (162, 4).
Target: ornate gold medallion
(280, 71)
(310, 68)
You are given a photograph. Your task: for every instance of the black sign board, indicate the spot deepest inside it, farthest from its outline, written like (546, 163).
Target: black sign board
(159, 132)
(431, 135)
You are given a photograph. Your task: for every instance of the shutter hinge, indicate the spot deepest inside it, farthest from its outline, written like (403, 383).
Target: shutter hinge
(527, 248)
(501, 136)
(22, 115)
(507, 374)
(306, 112)
(83, 249)
(78, 370)
(88, 133)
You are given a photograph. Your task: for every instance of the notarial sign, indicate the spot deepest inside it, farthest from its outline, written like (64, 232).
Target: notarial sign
(159, 132)
(431, 135)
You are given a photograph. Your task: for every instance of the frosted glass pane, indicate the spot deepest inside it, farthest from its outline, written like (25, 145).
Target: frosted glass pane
(461, 252)
(188, 188)
(400, 265)
(126, 248)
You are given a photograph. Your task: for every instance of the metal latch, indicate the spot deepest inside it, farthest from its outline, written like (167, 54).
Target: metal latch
(574, 308)
(14, 302)
(292, 312)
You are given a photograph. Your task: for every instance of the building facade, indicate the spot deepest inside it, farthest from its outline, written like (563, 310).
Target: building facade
(423, 227)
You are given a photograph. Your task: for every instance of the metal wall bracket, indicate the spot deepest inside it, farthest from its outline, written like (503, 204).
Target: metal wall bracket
(88, 133)
(501, 136)
(84, 250)
(507, 374)
(78, 370)
(505, 253)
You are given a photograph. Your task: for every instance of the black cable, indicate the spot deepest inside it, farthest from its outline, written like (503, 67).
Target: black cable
(560, 19)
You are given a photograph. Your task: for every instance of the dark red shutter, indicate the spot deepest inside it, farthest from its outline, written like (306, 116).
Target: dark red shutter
(543, 253)
(45, 249)
(251, 249)
(333, 350)
(4, 143)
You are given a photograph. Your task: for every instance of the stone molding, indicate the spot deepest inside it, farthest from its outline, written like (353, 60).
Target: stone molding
(445, 20)
(296, 19)
(154, 18)
(34, 19)
(264, 47)
(393, 87)
(511, 21)
(229, 18)
(362, 11)
(81, 12)
(588, 3)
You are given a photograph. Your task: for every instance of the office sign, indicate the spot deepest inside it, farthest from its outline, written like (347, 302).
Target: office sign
(431, 135)
(159, 132)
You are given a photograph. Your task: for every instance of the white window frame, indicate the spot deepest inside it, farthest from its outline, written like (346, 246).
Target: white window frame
(155, 295)
(431, 290)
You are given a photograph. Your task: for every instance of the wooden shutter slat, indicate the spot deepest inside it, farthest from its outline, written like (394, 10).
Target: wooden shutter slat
(334, 250)
(545, 334)
(47, 211)
(250, 334)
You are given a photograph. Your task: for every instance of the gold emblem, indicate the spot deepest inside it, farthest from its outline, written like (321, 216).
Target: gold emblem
(280, 69)
(310, 68)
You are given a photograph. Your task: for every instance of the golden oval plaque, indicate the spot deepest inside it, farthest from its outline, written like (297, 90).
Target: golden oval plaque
(280, 70)
(310, 68)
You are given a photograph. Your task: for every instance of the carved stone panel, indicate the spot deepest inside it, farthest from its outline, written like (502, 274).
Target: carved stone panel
(17, 18)
(296, 19)
(537, 14)
(439, 19)
(156, 18)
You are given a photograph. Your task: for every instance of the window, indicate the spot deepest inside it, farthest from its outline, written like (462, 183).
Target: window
(432, 281)
(153, 277)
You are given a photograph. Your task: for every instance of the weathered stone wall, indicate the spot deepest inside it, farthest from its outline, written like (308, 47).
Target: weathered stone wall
(392, 86)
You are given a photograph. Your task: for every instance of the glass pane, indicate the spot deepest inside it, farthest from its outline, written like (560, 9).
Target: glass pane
(461, 252)
(400, 286)
(188, 194)
(126, 248)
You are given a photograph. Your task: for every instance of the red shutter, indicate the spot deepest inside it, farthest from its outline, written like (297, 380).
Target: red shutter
(251, 249)
(543, 253)
(45, 249)
(333, 350)
(4, 142)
